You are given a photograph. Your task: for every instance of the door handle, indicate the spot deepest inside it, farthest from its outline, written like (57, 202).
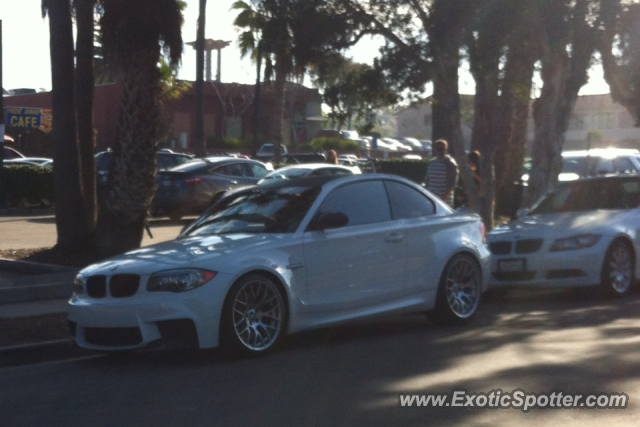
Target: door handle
(393, 238)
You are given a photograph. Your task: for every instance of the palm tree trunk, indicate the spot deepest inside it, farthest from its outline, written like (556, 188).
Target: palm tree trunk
(278, 116)
(84, 106)
(198, 135)
(71, 221)
(131, 183)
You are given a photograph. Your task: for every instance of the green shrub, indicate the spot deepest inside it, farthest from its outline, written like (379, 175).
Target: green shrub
(323, 144)
(413, 170)
(224, 143)
(25, 185)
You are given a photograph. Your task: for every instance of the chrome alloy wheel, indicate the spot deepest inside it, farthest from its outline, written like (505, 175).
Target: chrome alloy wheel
(619, 266)
(258, 314)
(462, 287)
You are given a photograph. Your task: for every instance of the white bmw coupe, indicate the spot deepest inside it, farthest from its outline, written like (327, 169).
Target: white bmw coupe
(583, 233)
(285, 257)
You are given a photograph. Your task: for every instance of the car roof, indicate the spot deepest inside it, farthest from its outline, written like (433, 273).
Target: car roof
(602, 152)
(312, 166)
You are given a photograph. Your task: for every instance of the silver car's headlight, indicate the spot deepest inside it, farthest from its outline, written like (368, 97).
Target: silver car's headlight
(577, 242)
(178, 280)
(78, 285)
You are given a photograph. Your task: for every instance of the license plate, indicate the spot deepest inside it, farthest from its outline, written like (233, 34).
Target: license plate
(510, 265)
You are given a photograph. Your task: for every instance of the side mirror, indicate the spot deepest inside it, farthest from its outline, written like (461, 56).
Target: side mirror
(330, 220)
(522, 213)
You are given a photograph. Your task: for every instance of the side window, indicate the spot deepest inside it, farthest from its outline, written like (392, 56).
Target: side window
(163, 162)
(257, 170)
(229, 170)
(605, 166)
(329, 171)
(363, 203)
(623, 164)
(407, 202)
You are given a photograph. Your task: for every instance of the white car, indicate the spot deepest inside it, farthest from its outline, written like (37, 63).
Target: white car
(34, 161)
(289, 256)
(583, 233)
(309, 169)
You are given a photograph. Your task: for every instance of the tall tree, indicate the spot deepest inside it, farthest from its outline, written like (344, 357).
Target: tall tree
(566, 35)
(290, 35)
(71, 219)
(200, 146)
(620, 51)
(133, 36)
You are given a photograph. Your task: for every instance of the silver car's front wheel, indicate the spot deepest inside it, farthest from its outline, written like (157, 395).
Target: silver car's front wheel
(618, 269)
(254, 316)
(459, 291)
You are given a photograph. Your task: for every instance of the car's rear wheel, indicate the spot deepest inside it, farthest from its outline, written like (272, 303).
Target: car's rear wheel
(254, 316)
(459, 291)
(618, 273)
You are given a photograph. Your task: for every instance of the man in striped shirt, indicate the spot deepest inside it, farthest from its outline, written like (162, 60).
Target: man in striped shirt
(442, 173)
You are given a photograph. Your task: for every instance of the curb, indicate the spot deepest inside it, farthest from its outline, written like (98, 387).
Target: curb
(40, 352)
(26, 212)
(32, 267)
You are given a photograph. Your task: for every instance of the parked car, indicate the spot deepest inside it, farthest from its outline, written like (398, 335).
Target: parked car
(165, 159)
(35, 161)
(11, 153)
(310, 169)
(268, 151)
(597, 161)
(190, 188)
(395, 143)
(300, 158)
(583, 233)
(289, 256)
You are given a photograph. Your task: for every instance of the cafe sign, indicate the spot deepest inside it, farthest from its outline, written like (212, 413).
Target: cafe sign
(23, 117)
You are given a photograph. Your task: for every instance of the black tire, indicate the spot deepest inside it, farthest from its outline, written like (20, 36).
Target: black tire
(175, 215)
(254, 317)
(459, 292)
(618, 270)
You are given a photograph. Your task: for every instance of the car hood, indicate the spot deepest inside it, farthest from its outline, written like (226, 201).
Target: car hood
(557, 225)
(187, 252)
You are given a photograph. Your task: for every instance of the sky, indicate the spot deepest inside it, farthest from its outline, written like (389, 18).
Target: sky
(26, 61)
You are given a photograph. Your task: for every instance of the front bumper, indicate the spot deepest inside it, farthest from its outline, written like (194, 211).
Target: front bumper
(574, 268)
(178, 320)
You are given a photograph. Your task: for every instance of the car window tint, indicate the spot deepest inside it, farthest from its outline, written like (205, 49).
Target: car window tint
(331, 171)
(258, 170)
(605, 166)
(363, 203)
(407, 202)
(622, 164)
(163, 161)
(234, 169)
(102, 161)
(622, 194)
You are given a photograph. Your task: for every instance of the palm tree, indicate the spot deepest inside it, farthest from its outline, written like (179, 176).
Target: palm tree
(84, 82)
(267, 30)
(71, 221)
(134, 34)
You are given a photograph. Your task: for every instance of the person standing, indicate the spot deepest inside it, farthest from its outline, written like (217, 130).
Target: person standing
(332, 157)
(442, 173)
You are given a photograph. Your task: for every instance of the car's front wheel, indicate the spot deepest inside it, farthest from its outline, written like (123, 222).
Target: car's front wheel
(459, 291)
(254, 316)
(618, 269)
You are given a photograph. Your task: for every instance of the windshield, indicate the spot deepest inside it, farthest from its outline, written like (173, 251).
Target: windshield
(270, 210)
(591, 195)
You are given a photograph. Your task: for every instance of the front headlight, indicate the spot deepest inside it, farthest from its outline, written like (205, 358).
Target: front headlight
(178, 280)
(78, 285)
(577, 242)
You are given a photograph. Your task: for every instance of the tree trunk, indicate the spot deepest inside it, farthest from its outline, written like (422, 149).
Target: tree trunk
(562, 78)
(131, 183)
(279, 108)
(84, 106)
(515, 101)
(446, 40)
(198, 136)
(71, 220)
